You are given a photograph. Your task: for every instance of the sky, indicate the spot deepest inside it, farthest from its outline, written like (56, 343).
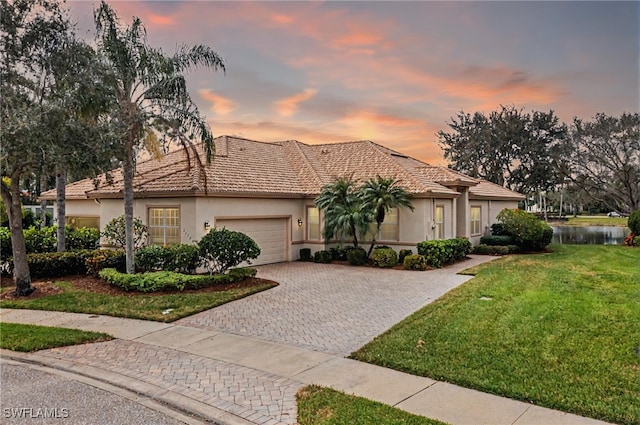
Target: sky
(394, 72)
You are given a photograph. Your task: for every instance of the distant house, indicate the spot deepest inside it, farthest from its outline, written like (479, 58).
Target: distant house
(267, 191)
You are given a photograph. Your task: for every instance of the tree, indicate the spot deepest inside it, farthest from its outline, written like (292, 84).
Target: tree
(32, 32)
(380, 195)
(509, 147)
(152, 98)
(604, 160)
(345, 213)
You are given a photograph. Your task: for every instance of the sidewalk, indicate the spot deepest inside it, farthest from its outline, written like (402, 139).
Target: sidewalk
(235, 379)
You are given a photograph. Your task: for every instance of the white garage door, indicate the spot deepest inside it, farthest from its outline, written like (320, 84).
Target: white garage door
(269, 233)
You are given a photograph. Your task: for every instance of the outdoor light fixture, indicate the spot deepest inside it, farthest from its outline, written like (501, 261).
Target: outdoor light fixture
(299, 222)
(206, 225)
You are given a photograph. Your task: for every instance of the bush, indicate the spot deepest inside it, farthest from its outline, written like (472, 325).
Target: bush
(483, 249)
(6, 249)
(402, 254)
(106, 258)
(384, 257)
(338, 253)
(81, 238)
(222, 249)
(514, 249)
(305, 254)
(150, 258)
(414, 262)
(440, 252)
(636, 241)
(170, 281)
(322, 256)
(500, 240)
(633, 223)
(182, 258)
(114, 232)
(357, 256)
(498, 229)
(40, 240)
(527, 231)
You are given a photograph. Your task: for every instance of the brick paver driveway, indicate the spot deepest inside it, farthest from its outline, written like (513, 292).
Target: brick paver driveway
(330, 308)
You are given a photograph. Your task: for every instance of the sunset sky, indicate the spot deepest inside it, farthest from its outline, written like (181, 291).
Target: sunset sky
(394, 72)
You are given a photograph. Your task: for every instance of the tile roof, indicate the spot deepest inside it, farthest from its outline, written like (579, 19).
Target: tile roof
(243, 167)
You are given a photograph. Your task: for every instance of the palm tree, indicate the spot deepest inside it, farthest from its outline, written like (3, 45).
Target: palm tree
(152, 99)
(380, 195)
(345, 215)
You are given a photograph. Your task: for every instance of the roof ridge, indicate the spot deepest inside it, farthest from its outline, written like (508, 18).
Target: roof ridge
(307, 161)
(388, 159)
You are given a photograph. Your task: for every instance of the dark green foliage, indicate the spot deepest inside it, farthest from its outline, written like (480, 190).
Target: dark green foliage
(222, 249)
(527, 231)
(28, 219)
(415, 262)
(181, 258)
(497, 229)
(82, 238)
(5, 244)
(40, 240)
(56, 264)
(322, 256)
(634, 222)
(114, 232)
(514, 249)
(384, 257)
(339, 253)
(305, 254)
(502, 240)
(150, 258)
(491, 249)
(44, 240)
(171, 281)
(106, 258)
(357, 256)
(441, 252)
(402, 254)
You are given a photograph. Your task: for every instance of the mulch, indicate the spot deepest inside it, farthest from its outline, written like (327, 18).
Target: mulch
(88, 283)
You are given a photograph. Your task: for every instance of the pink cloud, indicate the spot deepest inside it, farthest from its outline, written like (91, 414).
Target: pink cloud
(162, 20)
(289, 105)
(219, 104)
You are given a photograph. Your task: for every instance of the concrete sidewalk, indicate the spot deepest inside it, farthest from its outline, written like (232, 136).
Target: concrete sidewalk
(235, 379)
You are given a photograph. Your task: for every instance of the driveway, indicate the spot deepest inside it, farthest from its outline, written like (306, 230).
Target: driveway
(330, 308)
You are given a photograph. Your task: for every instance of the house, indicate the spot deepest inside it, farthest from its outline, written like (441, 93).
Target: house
(267, 191)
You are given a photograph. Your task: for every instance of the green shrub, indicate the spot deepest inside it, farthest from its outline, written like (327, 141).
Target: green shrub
(636, 241)
(514, 249)
(633, 223)
(171, 281)
(114, 232)
(527, 231)
(322, 256)
(81, 238)
(338, 253)
(40, 240)
(57, 264)
(357, 256)
(384, 257)
(150, 258)
(402, 254)
(491, 249)
(182, 258)
(6, 249)
(440, 252)
(500, 240)
(498, 229)
(414, 262)
(106, 258)
(222, 249)
(305, 254)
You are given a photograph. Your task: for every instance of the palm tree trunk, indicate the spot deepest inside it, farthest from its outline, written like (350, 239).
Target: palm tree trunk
(21, 275)
(128, 171)
(373, 240)
(61, 182)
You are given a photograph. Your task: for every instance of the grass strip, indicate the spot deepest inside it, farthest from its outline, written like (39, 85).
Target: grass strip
(558, 330)
(28, 338)
(324, 406)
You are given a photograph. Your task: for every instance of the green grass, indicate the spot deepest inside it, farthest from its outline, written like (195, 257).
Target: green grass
(593, 221)
(27, 338)
(146, 306)
(559, 330)
(324, 406)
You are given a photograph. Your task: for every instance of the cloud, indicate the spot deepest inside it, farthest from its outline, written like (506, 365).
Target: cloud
(161, 20)
(219, 104)
(289, 105)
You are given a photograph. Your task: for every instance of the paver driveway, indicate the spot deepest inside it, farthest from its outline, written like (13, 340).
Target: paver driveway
(330, 308)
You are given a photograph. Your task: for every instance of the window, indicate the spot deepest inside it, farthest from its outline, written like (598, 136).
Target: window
(475, 220)
(439, 221)
(313, 223)
(76, 222)
(389, 228)
(164, 226)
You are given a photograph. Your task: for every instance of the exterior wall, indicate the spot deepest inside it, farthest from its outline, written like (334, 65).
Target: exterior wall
(489, 210)
(79, 208)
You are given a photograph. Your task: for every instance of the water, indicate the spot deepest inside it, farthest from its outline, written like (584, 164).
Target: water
(589, 235)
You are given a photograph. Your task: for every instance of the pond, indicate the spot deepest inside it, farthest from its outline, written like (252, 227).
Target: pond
(589, 235)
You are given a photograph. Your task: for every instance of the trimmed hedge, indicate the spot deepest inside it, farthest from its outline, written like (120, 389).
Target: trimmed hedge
(415, 262)
(384, 257)
(223, 249)
(498, 240)
(181, 258)
(170, 281)
(357, 256)
(484, 249)
(402, 254)
(57, 264)
(527, 231)
(45, 240)
(305, 254)
(322, 256)
(440, 252)
(339, 253)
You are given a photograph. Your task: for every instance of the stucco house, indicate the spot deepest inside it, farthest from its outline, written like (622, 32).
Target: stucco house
(267, 191)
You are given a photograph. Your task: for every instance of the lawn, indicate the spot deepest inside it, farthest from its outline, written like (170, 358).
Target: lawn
(592, 221)
(559, 330)
(324, 406)
(158, 307)
(17, 337)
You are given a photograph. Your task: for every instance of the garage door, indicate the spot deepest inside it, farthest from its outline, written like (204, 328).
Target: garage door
(269, 233)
